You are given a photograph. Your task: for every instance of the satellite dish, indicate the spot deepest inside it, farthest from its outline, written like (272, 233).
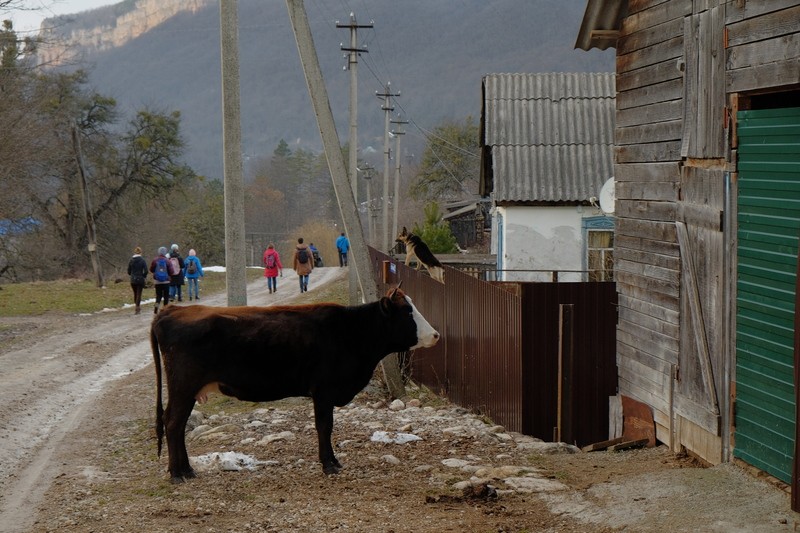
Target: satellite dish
(608, 196)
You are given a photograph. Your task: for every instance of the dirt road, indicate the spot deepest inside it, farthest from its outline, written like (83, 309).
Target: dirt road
(77, 454)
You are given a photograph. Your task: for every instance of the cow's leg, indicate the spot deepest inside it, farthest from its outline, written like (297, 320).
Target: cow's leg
(175, 417)
(323, 419)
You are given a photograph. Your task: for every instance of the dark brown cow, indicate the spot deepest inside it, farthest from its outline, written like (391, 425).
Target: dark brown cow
(327, 352)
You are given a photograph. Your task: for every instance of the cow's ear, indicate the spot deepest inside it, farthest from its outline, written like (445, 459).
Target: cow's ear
(386, 306)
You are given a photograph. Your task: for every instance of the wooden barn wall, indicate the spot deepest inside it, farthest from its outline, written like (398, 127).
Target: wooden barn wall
(650, 125)
(677, 62)
(763, 45)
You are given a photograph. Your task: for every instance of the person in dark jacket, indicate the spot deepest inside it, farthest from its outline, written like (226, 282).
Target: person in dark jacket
(303, 263)
(137, 270)
(176, 280)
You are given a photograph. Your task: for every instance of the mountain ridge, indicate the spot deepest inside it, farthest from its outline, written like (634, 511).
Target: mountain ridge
(434, 53)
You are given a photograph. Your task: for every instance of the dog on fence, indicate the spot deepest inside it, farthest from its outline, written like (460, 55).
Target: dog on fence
(416, 248)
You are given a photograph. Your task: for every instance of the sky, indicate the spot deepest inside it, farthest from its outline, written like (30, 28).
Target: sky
(30, 18)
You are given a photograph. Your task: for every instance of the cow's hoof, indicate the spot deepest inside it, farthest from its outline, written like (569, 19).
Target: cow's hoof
(331, 470)
(176, 480)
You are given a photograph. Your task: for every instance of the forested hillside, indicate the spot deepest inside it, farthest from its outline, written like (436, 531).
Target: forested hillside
(434, 53)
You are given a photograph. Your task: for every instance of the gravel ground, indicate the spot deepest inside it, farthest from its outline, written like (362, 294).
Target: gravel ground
(78, 455)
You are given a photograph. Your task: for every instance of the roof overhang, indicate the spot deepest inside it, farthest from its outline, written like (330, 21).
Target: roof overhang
(602, 20)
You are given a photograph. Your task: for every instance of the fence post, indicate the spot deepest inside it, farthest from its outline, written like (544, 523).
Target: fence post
(564, 429)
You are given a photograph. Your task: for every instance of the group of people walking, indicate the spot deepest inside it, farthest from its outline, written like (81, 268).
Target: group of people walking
(170, 273)
(305, 258)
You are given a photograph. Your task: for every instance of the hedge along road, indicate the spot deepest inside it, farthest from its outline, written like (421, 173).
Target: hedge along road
(54, 371)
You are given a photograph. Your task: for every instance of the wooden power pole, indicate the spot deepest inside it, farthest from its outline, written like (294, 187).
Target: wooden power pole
(352, 64)
(233, 178)
(91, 229)
(347, 204)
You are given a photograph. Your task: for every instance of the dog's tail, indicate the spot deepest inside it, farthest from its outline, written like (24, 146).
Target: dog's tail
(437, 273)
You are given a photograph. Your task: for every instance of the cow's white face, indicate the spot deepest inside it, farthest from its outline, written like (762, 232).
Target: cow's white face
(426, 335)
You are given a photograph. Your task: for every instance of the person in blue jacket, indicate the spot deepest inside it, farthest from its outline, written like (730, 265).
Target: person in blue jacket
(193, 271)
(343, 246)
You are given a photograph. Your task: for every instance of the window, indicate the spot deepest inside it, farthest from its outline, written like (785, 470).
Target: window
(599, 239)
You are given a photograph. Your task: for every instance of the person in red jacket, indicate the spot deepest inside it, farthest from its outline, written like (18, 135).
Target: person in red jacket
(272, 266)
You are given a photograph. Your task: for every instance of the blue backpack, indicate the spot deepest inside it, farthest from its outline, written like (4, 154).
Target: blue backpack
(162, 270)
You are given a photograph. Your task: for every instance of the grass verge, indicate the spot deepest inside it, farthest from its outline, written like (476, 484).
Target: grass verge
(83, 296)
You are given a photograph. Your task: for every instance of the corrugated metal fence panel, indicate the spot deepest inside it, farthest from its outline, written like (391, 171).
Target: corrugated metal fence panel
(477, 363)
(499, 348)
(769, 221)
(594, 369)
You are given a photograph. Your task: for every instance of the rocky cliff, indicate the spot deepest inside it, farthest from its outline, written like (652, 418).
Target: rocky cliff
(107, 28)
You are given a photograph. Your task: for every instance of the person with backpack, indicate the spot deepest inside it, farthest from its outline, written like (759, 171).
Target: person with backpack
(176, 266)
(193, 271)
(342, 246)
(160, 269)
(303, 263)
(137, 270)
(272, 265)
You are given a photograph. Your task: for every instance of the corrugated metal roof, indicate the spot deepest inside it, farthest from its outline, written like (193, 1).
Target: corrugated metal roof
(601, 22)
(550, 136)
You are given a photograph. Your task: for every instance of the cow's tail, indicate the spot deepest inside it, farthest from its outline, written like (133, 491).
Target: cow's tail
(159, 404)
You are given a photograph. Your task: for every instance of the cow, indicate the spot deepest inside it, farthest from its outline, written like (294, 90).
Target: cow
(327, 352)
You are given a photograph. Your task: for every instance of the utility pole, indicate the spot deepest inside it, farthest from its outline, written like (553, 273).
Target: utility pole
(91, 229)
(233, 179)
(397, 134)
(333, 152)
(352, 64)
(370, 211)
(386, 96)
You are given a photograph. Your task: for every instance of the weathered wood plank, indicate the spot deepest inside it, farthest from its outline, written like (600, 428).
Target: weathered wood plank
(643, 57)
(657, 252)
(600, 446)
(697, 317)
(649, 75)
(647, 229)
(658, 14)
(667, 301)
(650, 308)
(627, 445)
(647, 284)
(647, 133)
(767, 26)
(637, 153)
(665, 191)
(650, 271)
(643, 38)
(631, 352)
(761, 52)
(635, 390)
(777, 74)
(660, 112)
(650, 94)
(648, 172)
(650, 323)
(644, 209)
(650, 259)
(738, 11)
(697, 413)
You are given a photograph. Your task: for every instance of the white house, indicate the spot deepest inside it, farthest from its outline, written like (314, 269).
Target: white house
(546, 152)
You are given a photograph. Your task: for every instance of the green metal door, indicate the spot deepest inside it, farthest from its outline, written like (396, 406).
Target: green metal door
(769, 225)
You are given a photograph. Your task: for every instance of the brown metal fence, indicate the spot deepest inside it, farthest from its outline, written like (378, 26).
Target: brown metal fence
(538, 358)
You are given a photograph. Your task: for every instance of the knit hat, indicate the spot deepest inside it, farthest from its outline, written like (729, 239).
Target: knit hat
(174, 247)
(192, 252)
(162, 250)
